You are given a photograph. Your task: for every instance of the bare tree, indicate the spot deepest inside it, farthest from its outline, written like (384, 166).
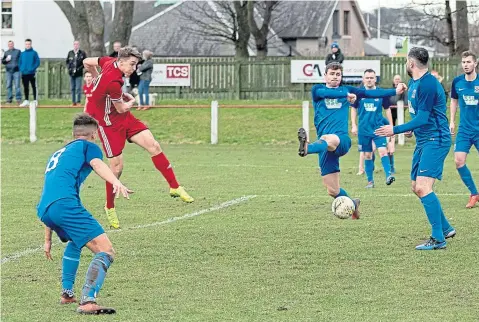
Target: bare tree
(260, 34)
(433, 23)
(462, 27)
(123, 21)
(219, 21)
(87, 22)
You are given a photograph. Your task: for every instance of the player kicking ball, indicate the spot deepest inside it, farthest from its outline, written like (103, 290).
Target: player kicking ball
(427, 108)
(61, 210)
(331, 115)
(370, 115)
(111, 108)
(465, 91)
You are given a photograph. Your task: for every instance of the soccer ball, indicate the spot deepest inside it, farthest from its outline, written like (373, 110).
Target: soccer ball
(343, 207)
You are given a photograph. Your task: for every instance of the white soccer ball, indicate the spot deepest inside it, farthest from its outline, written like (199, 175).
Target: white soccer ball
(343, 207)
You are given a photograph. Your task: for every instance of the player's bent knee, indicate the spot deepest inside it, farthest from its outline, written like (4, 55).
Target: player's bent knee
(155, 148)
(460, 162)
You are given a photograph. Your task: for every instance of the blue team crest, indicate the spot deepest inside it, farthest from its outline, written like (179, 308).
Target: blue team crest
(413, 95)
(476, 89)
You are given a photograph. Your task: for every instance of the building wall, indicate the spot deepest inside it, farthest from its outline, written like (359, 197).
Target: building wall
(352, 44)
(44, 23)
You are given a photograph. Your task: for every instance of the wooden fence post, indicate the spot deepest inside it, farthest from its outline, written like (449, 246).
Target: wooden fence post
(46, 77)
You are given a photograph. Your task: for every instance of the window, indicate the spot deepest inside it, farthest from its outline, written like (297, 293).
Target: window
(346, 22)
(7, 17)
(336, 23)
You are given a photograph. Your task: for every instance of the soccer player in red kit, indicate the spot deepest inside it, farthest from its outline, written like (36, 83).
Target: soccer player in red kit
(87, 88)
(111, 108)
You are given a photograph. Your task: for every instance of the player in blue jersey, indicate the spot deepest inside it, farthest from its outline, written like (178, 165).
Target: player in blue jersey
(370, 118)
(427, 107)
(61, 210)
(331, 115)
(465, 92)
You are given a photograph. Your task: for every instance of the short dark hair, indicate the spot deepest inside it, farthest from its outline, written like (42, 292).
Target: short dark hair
(420, 55)
(28, 39)
(84, 125)
(334, 66)
(468, 53)
(369, 70)
(87, 72)
(127, 52)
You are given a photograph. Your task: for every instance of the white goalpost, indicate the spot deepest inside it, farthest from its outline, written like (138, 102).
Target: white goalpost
(33, 121)
(214, 122)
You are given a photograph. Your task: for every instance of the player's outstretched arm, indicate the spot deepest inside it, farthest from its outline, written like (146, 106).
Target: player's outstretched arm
(371, 93)
(321, 91)
(48, 243)
(105, 173)
(90, 65)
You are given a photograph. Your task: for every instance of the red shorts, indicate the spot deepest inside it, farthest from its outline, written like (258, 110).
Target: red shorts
(114, 137)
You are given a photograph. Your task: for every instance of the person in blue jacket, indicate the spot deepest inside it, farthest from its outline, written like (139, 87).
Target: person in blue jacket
(29, 62)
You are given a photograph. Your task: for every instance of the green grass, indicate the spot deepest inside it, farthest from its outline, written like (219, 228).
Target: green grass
(280, 256)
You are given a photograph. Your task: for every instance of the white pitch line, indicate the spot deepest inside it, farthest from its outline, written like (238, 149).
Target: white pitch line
(158, 223)
(320, 195)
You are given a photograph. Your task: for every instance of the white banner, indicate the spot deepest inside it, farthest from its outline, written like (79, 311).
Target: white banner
(312, 71)
(171, 75)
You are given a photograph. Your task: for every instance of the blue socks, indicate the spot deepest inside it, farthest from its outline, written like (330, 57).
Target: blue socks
(341, 193)
(467, 179)
(369, 169)
(70, 262)
(317, 147)
(436, 217)
(95, 277)
(391, 161)
(386, 165)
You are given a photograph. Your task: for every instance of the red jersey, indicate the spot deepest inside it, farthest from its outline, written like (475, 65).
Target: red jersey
(87, 89)
(106, 90)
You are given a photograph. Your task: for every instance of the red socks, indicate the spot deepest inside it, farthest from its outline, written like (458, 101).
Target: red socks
(163, 165)
(110, 197)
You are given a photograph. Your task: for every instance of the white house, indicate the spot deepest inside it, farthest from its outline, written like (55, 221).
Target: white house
(40, 20)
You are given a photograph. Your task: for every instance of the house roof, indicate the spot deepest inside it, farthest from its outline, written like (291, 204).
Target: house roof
(307, 19)
(167, 28)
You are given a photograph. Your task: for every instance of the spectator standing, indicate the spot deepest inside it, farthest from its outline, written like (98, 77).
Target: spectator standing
(116, 49)
(336, 55)
(135, 77)
(74, 63)
(29, 62)
(146, 69)
(11, 59)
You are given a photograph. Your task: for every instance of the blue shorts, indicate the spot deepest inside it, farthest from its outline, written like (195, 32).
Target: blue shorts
(72, 222)
(464, 142)
(365, 143)
(428, 160)
(329, 160)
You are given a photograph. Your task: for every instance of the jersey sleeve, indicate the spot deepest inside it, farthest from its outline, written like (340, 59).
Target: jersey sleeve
(103, 60)
(114, 90)
(453, 89)
(92, 151)
(320, 91)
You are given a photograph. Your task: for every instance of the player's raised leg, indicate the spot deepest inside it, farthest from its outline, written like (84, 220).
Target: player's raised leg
(466, 176)
(330, 149)
(146, 140)
(95, 276)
